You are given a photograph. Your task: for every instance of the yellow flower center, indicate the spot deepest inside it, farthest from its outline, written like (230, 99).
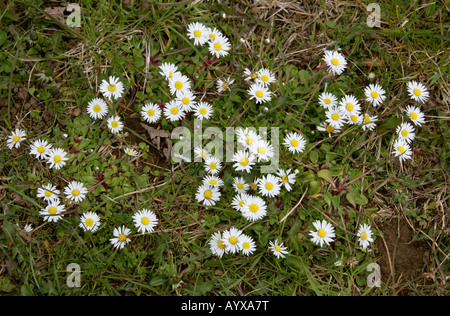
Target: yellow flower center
(329, 128)
(41, 149)
(349, 106)
(354, 118)
(366, 118)
(213, 165)
(374, 94)
(294, 142)
(208, 194)
(197, 33)
(327, 101)
(269, 186)
(114, 124)
(246, 245)
(48, 193)
(170, 74)
(277, 248)
(404, 133)
(174, 111)
(250, 141)
(262, 150)
(75, 192)
(16, 138)
(417, 92)
(335, 61)
(254, 75)
(264, 78)
(232, 240)
(217, 46)
(321, 233)
(204, 154)
(240, 186)
(401, 149)
(335, 116)
(112, 88)
(89, 222)
(52, 210)
(57, 159)
(122, 237)
(364, 236)
(213, 36)
(259, 94)
(145, 220)
(130, 153)
(96, 108)
(185, 100)
(244, 161)
(225, 85)
(178, 85)
(213, 182)
(203, 111)
(151, 112)
(285, 179)
(220, 244)
(413, 115)
(254, 208)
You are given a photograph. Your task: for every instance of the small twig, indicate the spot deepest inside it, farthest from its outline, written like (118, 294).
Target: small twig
(295, 207)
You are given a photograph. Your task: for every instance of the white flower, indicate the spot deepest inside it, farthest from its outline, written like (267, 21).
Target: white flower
(402, 149)
(374, 94)
(97, 108)
(262, 149)
(212, 181)
(200, 152)
(15, 138)
(28, 228)
(212, 164)
(151, 112)
(335, 61)
(203, 111)
(365, 236)
(186, 100)
(207, 194)
(49, 192)
(295, 142)
(324, 233)
(52, 211)
(238, 201)
(173, 111)
(219, 46)
(250, 75)
(120, 237)
(56, 158)
(335, 117)
(355, 119)
(243, 161)
(246, 137)
(114, 124)
(112, 88)
(216, 245)
(40, 148)
(286, 178)
(223, 85)
(406, 132)
(265, 76)
(349, 105)
(418, 91)
(260, 93)
(89, 221)
(145, 220)
(231, 239)
(168, 70)
(75, 191)
(269, 185)
(254, 208)
(369, 122)
(327, 100)
(131, 152)
(277, 249)
(240, 185)
(178, 84)
(415, 114)
(327, 127)
(247, 244)
(198, 32)
(213, 33)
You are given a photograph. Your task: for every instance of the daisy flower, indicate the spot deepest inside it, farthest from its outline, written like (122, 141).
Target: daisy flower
(216, 245)
(260, 93)
(178, 84)
(243, 161)
(114, 124)
(173, 111)
(145, 220)
(327, 100)
(355, 119)
(286, 178)
(247, 245)
(200, 152)
(246, 137)
(250, 75)
(52, 211)
(89, 221)
(418, 91)
(294, 142)
(240, 185)
(203, 111)
(365, 236)
(402, 149)
(375, 94)
(406, 132)
(269, 185)
(327, 127)
(168, 70)
(231, 240)
(277, 249)
(324, 233)
(151, 112)
(112, 88)
(265, 76)
(49, 192)
(75, 191)
(369, 122)
(120, 237)
(198, 32)
(40, 148)
(254, 208)
(97, 108)
(219, 46)
(208, 195)
(262, 149)
(15, 138)
(213, 33)
(415, 114)
(349, 105)
(212, 164)
(57, 158)
(223, 85)
(335, 117)
(238, 201)
(186, 100)
(131, 152)
(212, 181)
(335, 61)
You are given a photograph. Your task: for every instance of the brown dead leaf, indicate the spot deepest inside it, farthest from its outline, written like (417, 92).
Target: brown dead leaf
(161, 138)
(57, 13)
